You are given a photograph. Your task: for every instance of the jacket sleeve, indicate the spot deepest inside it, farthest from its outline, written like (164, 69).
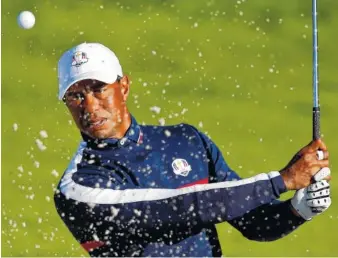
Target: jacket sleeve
(154, 209)
(267, 222)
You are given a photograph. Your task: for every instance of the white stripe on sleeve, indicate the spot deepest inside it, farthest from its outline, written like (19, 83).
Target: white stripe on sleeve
(87, 194)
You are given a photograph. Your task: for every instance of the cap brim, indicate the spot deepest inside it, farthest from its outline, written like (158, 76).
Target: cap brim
(106, 77)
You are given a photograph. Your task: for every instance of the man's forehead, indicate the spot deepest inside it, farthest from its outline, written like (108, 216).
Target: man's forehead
(88, 83)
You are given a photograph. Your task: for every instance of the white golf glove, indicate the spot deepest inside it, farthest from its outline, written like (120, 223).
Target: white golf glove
(314, 199)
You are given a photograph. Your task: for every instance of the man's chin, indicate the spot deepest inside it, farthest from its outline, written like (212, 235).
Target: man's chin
(98, 134)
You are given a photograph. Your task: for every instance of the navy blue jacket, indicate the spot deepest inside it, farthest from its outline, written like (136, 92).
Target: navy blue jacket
(160, 190)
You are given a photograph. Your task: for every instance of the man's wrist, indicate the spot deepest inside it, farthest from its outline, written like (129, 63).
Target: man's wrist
(286, 179)
(277, 182)
(295, 213)
(293, 210)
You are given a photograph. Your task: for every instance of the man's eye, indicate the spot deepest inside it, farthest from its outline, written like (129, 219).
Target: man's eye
(74, 97)
(78, 96)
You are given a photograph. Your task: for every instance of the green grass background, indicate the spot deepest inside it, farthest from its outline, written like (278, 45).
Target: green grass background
(239, 70)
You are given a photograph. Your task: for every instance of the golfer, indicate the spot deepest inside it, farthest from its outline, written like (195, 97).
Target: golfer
(135, 190)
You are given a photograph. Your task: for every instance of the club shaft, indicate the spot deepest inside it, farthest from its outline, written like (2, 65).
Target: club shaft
(316, 109)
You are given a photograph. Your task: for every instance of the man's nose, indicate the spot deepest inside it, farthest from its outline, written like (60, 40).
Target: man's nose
(90, 103)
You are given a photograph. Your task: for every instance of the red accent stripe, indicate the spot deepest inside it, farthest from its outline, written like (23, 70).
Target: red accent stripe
(91, 245)
(140, 137)
(199, 182)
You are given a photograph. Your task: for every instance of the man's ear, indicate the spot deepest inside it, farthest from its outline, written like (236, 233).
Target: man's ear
(124, 82)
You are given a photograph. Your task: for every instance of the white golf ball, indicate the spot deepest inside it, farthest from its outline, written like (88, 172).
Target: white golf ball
(26, 20)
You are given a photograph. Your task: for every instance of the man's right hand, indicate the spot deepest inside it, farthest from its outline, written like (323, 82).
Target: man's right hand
(299, 172)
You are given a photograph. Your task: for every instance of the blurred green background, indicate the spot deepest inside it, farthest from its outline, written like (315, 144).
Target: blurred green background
(241, 71)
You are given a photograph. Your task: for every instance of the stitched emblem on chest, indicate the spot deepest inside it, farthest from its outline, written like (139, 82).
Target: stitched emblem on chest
(181, 167)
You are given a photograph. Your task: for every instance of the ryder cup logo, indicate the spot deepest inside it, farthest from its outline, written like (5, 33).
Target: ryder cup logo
(181, 167)
(79, 58)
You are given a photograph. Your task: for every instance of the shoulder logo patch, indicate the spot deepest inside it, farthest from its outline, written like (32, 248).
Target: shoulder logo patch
(181, 167)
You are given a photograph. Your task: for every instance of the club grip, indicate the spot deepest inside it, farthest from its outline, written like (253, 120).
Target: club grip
(316, 123)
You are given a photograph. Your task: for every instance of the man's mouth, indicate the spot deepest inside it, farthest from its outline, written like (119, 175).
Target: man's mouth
(95, 124)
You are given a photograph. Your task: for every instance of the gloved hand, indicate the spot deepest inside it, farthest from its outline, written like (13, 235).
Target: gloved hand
(314, 199)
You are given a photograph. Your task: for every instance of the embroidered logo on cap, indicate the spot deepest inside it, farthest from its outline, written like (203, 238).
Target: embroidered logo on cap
(181, 167)
(79, 58)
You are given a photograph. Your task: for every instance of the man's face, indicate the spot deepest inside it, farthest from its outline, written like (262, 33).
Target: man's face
(98, 109)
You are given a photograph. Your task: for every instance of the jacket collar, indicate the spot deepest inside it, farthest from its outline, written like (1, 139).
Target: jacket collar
(133, 133)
